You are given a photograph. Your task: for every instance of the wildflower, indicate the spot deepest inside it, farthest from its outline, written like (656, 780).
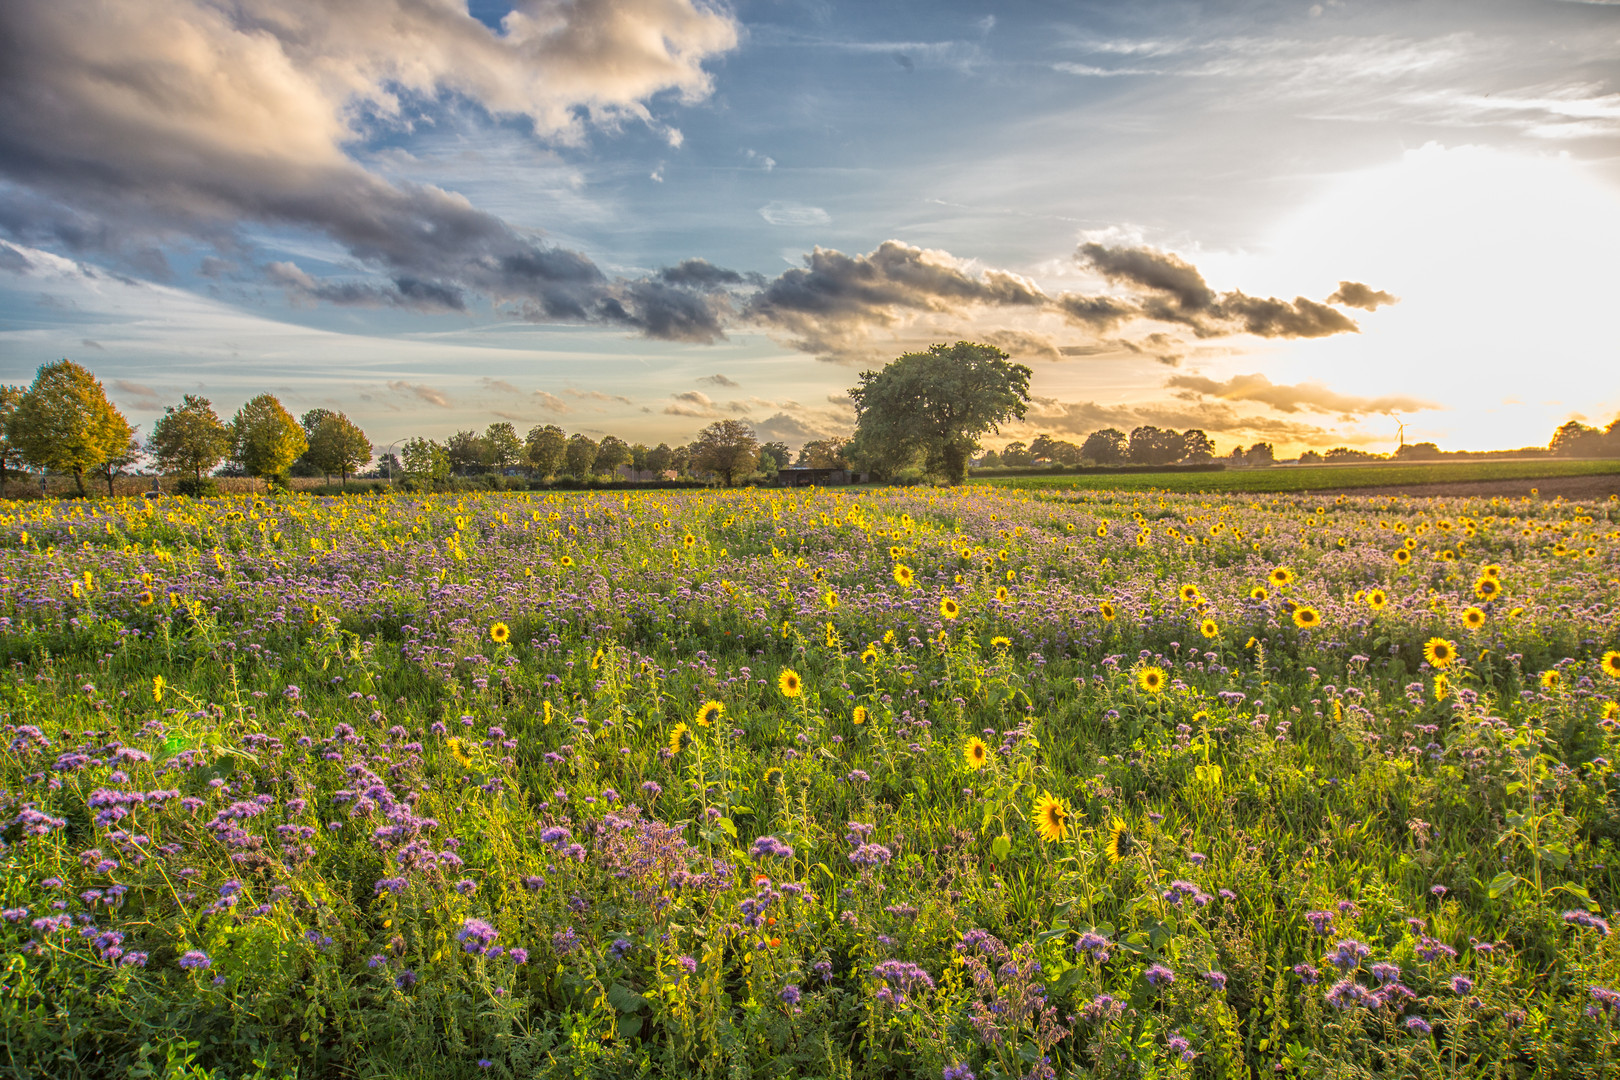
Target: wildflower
(1259, 594)
(195, 960)
(773, 776)
(680, 737)
(1473, 618)
(1321, 921)
(1461, 984)
(1307, 974)
(1107, 611)
(157, 689)
(789, 683)
(1401, 556)
(903, 575)
(1209, 628)
(1417, 1025)
(790, 994)
(1000, 642)
(1050, 817)
(1550, 679)
(708, 713)
(1188, 594)
(1151, 679)
(1281, 576)
(771, 847)
(1120, 842)
(1215, 979)
(1376, 599)
(1581, 918)
(1347, 994)
(870, 654)
(949, 608)
(1487, 588)
(976, 753)
(1306, 617)
(499, 633)
(1611, 664)
(960, 1071)
(858, 717)
(1349, 954)
(476, 936)
(1158, 975)
(1439, 652)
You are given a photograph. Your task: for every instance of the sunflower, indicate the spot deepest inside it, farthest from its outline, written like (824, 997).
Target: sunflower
(1102, 531)
(895, 552)
(1281, 576)
(680, 737)
(1188, 594)
(1120, 842)
(1550, 679)
(1002, 594)
(833, 640)
(708, 713)
(146, 598)
(1491, 570)
(689, 541)
(1439, 652)
(1377, 599)
(773, 776)
(999, 642)
(1209, 628)
(566, 561)
(1306, 617)
(1050, 817)
(1487, 588)
(903, 575)
(976, 753)
(831, 600)
(1402, 556)
(499, 633)
(789, 683)
(1107, 610)
(870, 654)
(1611, 664)
(1258, 594)
(453, 744)
(1151, 679)
(949, 608)
(1611, 710)
(1473, 618)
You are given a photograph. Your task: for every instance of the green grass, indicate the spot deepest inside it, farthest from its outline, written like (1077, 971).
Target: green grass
(1311, 477)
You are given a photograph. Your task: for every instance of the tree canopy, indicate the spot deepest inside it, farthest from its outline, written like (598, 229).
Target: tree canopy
(425, 461)
(728, 449)
(337, 445)
(265, 439)
(65, 422)
(546, 450)
(189, 437)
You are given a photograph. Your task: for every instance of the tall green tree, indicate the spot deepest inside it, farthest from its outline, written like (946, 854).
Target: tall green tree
(1105, 447)
(65, 422)
(189, 437)
(611, 452)
(425, 461)
(546, 450)
(939, 403)
(337, 445)
(727, 448)
(581, 456)
(467, 452)
(502, 447)
(10, 456)
(265, 439)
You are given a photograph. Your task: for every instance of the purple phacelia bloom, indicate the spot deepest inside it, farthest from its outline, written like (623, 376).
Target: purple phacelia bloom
(1386, 973)
(1307, 974)
(1158, 975)
(1215, 979)
(1461, 984)
(687, 964)
(1348, 954)
(476, 935)
(1321, 921)
(1417, 1025)
(790, 994)
(195, 960)
(772, 848)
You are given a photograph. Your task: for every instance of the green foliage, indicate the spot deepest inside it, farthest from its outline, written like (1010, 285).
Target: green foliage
(546, 450)
(265, 439)
(937, 404)
(728, 449)
(337, 445)
(1314, 478)
(189, 438)
(425, 461)
(65, 422)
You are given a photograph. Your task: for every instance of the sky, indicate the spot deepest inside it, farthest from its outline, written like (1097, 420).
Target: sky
(1308, 223)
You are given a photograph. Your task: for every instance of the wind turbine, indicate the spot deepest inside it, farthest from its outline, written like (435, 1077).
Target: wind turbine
(1400, 428)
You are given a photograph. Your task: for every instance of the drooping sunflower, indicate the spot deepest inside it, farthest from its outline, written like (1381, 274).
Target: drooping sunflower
(1258, 594)
(773, 776)
(858, 717)
(1151, 679)
(1281, 576)
(833, 640)
(1050, 817)
(1611, 664)
(453, 744)
(1377, 599)
(680, 737)
(789, 683)
(1188, 594)
(708, 713)
(499, 633)
(976, 753)
(1209, 628)
(1107, 611)
(903, 575)
(1439, 652)
(1306, 617)
(949, 608)
(1121, 843)
(1550, 679)
(1473, 618)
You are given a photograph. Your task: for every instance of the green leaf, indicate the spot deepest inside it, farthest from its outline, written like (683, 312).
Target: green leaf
(1001, 846)
(731, 829)
(1502, 884)
(625, 999)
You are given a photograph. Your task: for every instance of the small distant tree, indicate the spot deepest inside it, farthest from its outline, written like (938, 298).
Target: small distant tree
(502, 447)
(425, 461)
(1016, 454)
(1150, 445)
(116, 465)
(1196, 446)
(825, 454)
(581, 456)
(1057, 451)
(467, 452)
(660, 459)
(1575, 439)
(546, 449)
(265, 440)
(1421, 451)
(1611, 439)
(638, 457)
(990, 460)
(10, 456)
(1261, 453)
(939, 403)
(611, 453)
(1105, 447)
(189, 438)
(728, 449)
(777, 452)
(338, 445)
(1310, 457)
(65, 422)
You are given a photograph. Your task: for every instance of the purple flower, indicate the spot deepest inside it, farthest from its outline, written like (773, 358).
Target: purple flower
(771, 847)
(1158, 975)
(1386, 973)
(1347, 994)
(1461, 984)
(903, 975)
(476, 935)
(519, 956)
(1348, 954)
(959, 1071)
(1103, 1007)
(1321, 921)
(1307, 974)
(195, 960)
(406, 980)
(1582, 918)
(1215, 979)
(565, 940)
(687, 964)
(466, 886)
(1417, 1025)
(1438, 890)
(790, 994)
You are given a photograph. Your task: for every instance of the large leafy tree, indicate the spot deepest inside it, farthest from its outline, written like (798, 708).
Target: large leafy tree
(65, 422)
(337, 445)
(467, 451)
(939, 403)
(10, 456)
(727, 448)
(425, 461)
(265, 439)
(581, 456)
(502, 447)
(612, 452)
(546, 450)
(1105, 447)
(189, 437)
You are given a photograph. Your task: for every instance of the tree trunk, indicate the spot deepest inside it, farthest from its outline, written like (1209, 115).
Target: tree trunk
(109, 483)
(955, 464)
(78, 478)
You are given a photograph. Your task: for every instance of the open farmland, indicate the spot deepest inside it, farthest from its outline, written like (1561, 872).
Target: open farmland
(892, 783)
(1430, 477)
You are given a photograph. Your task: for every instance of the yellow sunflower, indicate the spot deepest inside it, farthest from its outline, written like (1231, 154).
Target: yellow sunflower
(1306, 617)
(499, 633)
(976, 753)
(1611, 710)
(1281, 576)
(1377, 599)
(1102, 531)
(870, 654)
(999, 642)
(858, 717)
(1121, 843)
(708, 713)
(1402, 556)
(1473, 618)
(1258, 594)
(1107, 610)
(146, 598)
(949, 608)
(566, 561)
(1002, 594)
(903, 575)
(1491, 570)
(453, 744)
(1439, 652)
(789, 683)
(1188, 594)
(773, 776)
(680, 737)
(1611, 664)
(1550, 679)
(1151, 679)
(1209, 628)
(1050, 817)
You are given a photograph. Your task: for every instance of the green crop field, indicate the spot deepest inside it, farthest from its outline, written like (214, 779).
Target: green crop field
(1310, 478)
(899, 783)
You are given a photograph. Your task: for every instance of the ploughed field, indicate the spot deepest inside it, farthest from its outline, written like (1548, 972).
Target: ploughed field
(882, 783)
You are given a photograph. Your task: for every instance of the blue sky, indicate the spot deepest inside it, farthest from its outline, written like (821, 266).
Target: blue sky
(435, 218)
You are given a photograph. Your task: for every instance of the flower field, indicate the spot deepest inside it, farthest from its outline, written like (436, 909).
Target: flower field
(910, 783)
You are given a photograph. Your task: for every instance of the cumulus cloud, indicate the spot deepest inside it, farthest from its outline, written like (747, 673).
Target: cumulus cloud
(1355, 294)
(421, 392)
(1311, 396)
(718, 380)
(550, 402)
